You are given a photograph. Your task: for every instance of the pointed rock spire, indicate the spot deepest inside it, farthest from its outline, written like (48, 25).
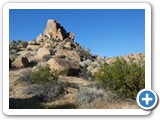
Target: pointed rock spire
(54, 29)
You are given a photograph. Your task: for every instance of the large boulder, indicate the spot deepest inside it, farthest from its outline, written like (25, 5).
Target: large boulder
(42, 52)
(20, 62)
(71, 55)
(33, 47)
(47, 45)
(54, 29)
(60, 56)
(31, 55)
(33, 42)
(71, 67)
(54, 64)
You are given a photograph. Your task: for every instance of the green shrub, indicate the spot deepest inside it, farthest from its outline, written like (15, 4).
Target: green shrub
(43, 74)
(19, 41)
(125, 79)
(42, 83)
(40, 75)
(23, 43)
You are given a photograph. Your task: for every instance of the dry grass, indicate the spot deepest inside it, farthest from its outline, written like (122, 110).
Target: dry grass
(115, 105)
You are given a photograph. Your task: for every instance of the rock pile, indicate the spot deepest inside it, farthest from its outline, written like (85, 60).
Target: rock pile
(57, 48)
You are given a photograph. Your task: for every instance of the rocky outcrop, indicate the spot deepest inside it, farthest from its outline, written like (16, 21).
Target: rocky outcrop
(47, 45)
(33, 42)
(57, 47)
(70, 55)
(20, 62)
(54, 29)
(71, 36)
(12, 51)
(74, 45)
(127, 58)
(33, 47)
(31, 55)
(12, 57)
(35, 78)
(42, 52)
(71, 67)
(68, 46)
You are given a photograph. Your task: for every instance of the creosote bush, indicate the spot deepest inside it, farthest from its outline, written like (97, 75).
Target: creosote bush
(43, 83)
(125, 79)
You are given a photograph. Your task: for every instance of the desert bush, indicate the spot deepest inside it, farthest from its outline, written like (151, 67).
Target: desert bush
(125, 79)
(19, 41)
(43, 74)
(42, 83)
(23, 43)
(26, 75)
(45, 92)
(87, 95)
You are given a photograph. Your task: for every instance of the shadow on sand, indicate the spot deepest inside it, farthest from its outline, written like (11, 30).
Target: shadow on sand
(34, 103)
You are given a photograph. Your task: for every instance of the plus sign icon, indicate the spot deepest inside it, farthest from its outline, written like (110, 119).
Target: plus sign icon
(147, 99)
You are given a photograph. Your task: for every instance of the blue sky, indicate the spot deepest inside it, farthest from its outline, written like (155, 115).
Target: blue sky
(106, 32)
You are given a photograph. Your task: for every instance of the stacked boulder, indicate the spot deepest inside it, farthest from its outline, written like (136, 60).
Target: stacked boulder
(55, 47)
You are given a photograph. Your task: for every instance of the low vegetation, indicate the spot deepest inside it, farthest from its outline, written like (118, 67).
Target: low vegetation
(87, 96)
(123, 78)
(43, 83)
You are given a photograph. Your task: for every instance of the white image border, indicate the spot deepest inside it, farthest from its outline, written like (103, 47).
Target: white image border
(8, 6)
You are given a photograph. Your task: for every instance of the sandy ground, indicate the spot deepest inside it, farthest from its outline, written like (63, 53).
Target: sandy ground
(67, 101)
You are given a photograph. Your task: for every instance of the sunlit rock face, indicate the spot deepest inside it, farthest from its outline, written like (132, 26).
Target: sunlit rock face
(54, 29)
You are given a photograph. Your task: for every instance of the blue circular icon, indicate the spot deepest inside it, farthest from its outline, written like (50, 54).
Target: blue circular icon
(147, 99)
